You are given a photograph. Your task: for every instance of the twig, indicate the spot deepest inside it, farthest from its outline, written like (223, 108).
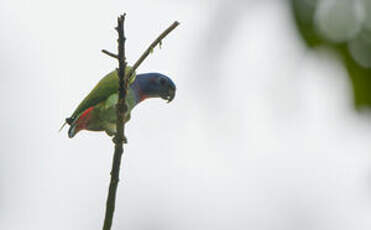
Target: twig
(156, 42)
(121, 109)
(110, 54)
(151, 47)
(119, 137)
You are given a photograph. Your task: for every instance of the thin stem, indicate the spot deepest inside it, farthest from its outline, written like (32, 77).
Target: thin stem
(119, 137)
(152, 46)
(110, 54)
(121, 109)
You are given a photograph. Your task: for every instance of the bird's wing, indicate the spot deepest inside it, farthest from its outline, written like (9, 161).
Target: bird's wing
(104, 89)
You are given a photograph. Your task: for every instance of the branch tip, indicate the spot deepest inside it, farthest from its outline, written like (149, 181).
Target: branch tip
(149, 50)
(110, 54)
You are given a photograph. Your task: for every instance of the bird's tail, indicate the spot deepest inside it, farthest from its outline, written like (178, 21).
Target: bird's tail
(78, 123)
(69, 120)
(72, 131)
(60, 129)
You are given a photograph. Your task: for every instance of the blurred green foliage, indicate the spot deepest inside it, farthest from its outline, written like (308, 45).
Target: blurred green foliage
(344, 26)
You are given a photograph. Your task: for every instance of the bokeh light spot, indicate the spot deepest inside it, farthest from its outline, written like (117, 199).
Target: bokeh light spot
(339, 20)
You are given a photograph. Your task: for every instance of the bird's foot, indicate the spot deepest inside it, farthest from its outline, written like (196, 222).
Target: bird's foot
(118, 141)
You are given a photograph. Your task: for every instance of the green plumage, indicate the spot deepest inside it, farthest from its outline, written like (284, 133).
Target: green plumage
(97, 111)
(103, 90)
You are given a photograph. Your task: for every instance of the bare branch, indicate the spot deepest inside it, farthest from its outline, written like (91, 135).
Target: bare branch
(121, 109)
(119, 136)
(152, 47)
(110, 54)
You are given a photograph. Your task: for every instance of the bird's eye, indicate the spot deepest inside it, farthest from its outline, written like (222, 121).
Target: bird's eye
(162, 81)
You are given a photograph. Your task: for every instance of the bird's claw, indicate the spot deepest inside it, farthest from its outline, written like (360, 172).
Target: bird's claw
(117, 141)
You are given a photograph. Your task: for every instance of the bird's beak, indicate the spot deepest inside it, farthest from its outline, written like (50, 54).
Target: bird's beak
(169, 94)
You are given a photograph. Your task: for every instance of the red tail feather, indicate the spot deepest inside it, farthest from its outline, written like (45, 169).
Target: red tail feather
(81, 122)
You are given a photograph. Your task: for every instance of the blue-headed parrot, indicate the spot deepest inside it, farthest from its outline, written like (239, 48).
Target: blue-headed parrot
(97, 112)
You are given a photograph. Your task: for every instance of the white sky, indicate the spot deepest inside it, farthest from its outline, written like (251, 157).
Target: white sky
(261, 134)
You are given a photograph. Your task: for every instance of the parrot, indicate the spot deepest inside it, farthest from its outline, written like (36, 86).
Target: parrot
(97, 111)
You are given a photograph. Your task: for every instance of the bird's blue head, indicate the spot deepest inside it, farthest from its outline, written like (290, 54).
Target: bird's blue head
(155, 85)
